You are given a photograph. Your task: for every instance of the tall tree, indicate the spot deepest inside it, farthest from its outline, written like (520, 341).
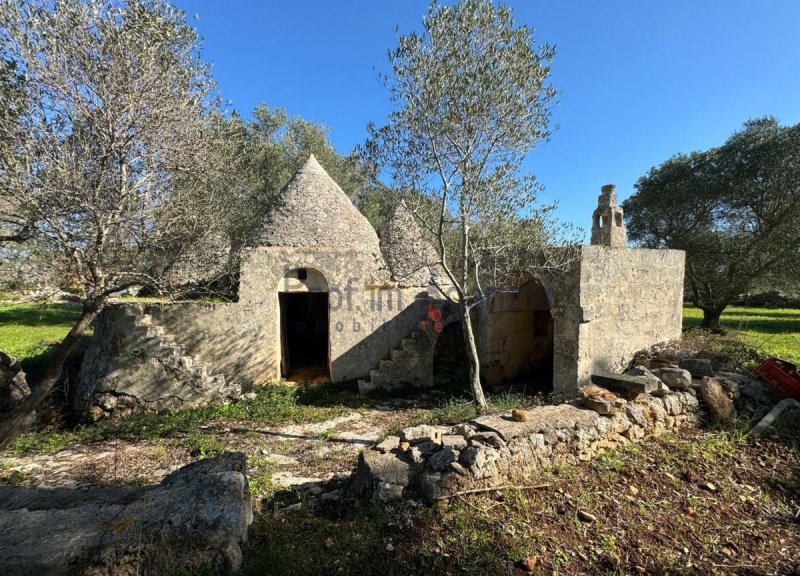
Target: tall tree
(471, 100)
(734, 209)
(113, 166)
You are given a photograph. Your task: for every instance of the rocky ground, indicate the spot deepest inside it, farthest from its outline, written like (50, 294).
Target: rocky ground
(278, 457)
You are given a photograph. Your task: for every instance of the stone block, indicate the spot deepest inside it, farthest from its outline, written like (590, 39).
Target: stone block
(627, 386)
(194, 520)
(454, 441)
(439, 460)
(423, 433)
(674, 378)
(698, 367)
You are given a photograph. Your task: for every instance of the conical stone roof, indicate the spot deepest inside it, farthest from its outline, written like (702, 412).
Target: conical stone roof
(411, 257)
(311, 210)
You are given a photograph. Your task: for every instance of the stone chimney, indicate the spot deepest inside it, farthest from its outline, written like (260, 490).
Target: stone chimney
(608, 228)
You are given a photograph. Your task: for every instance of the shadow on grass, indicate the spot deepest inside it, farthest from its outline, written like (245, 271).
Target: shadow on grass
(40, 314)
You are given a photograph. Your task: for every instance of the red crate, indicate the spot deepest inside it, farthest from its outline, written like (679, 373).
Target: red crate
(782, 375)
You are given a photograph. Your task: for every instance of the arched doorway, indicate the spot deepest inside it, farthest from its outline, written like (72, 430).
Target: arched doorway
(304, 326)
(450, 360)
(521, 342)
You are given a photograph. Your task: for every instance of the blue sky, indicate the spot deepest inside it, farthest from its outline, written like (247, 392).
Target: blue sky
(640, 80)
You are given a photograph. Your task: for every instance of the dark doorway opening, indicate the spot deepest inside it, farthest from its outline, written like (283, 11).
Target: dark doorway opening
(304, 335)
(450, 359)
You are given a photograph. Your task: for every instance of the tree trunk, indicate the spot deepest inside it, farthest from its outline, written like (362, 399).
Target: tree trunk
(16, 422)
(474, 364)
(711, 318)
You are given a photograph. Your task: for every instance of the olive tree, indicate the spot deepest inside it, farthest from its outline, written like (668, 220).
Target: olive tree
(110, 158)
(471, 98)
(734, 209)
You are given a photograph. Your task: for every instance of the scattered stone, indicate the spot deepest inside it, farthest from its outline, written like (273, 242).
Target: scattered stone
(459, 469)
(96, 414)
(454, 441)
(719, 404)
(601, 400)
(720, 362)
(674, 378)
(586, 516)
(491, 438)
(328, 543)
(404, 446)
(389, 547)
(442, 458)
(387, 444)
(424, 433)
(710, 487)
(633, 490)
(519, 415)
(698, 367)
(465, 430)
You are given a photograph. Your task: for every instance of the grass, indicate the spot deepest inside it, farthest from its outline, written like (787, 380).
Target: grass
(28, 332)
(773, 332)
(273, 404)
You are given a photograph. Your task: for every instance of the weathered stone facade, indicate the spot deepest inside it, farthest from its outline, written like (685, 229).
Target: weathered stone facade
(317, 294)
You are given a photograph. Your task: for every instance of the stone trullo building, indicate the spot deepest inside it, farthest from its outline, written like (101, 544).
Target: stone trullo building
(320, 294)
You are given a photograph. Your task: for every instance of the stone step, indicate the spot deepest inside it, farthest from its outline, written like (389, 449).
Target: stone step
(385, 365)
(407, 344)
(186, 362)
(365, 387)
(216, 381)
(154, 331)
(625, 385)
(397, 354)
(173, 351)
(418, 335)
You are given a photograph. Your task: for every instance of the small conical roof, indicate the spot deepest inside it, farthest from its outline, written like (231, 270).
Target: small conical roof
(409, 254)
(311, 210)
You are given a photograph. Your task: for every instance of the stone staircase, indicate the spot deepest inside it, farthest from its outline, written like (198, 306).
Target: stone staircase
(408, 364)
(158, 343)
(168, 376)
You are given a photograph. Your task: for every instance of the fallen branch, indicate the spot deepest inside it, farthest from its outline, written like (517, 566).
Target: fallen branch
(492, 489)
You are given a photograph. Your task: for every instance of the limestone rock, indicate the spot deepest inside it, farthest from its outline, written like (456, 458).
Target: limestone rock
(627, 386)
(387, 444)
(197, 517)
(454, 441)
(674, 378)
(423, 433)
(375, 467)
(439, 460)
(698, 367)
(601, 400)
(719, 404)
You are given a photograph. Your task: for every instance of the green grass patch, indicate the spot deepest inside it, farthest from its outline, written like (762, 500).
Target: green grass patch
(29, 331)
(771, 331)
(273, 405)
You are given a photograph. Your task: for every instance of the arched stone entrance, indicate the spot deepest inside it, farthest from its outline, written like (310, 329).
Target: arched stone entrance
(304, 326)
(521, 338)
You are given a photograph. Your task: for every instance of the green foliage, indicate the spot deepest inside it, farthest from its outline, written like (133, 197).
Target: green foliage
(274, 404)
(734, 209)
(754, 333)
(471, 100)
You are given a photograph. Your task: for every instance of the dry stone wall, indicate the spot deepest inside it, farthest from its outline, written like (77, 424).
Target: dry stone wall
(432, 462)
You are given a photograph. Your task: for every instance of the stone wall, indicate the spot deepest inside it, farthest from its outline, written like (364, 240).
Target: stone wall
(366, 321)
(434, 461)
(630, 299)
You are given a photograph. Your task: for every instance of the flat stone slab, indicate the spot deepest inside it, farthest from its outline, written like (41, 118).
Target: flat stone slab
(542, 419)
(197, 516)
(625, 383)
